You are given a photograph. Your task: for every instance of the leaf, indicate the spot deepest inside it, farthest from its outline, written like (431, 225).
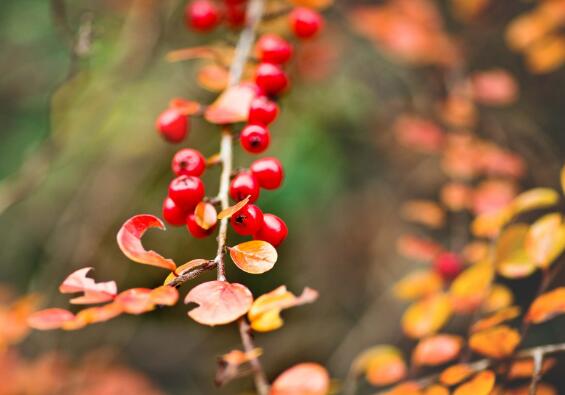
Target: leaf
(382, 365)
(524, 368)
(185, 268)
(202, 52)
(213, 77)
(205, 215)
(437, 350)
(49, 319)
(423, 212)
(511, 259)
(497, 342)
(545, 240)
(500, 296)
(455, 374)
(497, 318)
(471, 287)
(135, 300)
(186, 107)
(407, 388)
(316, 4)
(164, 296)
(232, 105)
(93, 315)
(418, 284)
(542, 389)
(547, 306)
(489, 224)
(93, 292)
(427, 316)
(255, 257)
(436, 389)
(534, 199)
(302, 379)
(481, 384)
(228, 212)
(229, 365)
(129, 240)
(264, 314)
(414, 247)
(219, 302)
(494, 87)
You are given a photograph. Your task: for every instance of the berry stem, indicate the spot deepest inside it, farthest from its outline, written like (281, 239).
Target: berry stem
(226, 160)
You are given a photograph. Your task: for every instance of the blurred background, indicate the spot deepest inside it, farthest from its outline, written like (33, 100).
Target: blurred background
(81, 85)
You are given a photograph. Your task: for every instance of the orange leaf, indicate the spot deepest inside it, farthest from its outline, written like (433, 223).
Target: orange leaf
(542, 389)
(547, 306)
(500, 296)
(228, 212)
(129, 240)
(229, 364)
(316, 4)
(93, 315)
(382, 365)
(545, 240)
(456, 196)
(437, 350)
(135, 300)
(489, 224)
(232, 105)
(302, 379)
(511, 258)
(455, 374)
(417, 284)
(436, 389)
(427, 316)
(49, 319)
(205, 215)
(93, 292)
(164, 296)
(255, 257)
(213, 77)
(524, 368)
(185, 107)
(497, 342)
(219, 302)
(423, 212)
(264, 314)
(193, 53)
(407, 388)
(417, 248)
(471, 287)
(481, 384)
(495, 319)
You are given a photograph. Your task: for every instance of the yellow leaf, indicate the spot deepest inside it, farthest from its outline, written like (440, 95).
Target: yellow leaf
(205, 215)
(427, 316)
(545, 240)
(511, 258)
(471, 287)
(382, 365)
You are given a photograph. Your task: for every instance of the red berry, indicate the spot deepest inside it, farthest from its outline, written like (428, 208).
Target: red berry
(242, 185)
(186, 191)
(248, 220)
(172, 213)
(271, 78)
(202, 15)
(305, 23)
(274, 49)
(273, 230)
(268, 171)
(255, 138)
(196, 230)
(235, 14)
(188, 162)
(172, 125)
(448, 265)
(263, 111)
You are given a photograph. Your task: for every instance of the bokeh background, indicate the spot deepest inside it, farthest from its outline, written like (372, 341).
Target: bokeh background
(81, 83)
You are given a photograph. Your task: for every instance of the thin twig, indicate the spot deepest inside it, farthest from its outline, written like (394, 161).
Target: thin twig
(538, 362)
(261, 383)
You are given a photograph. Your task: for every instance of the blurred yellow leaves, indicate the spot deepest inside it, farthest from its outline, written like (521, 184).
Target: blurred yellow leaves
(382, 365)
(427, 316)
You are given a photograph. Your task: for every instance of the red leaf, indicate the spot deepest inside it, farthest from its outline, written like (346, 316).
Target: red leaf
(302, 379)
(49, 319)
(93, 292)
(135, 300)
(129, 240)
(232, 105)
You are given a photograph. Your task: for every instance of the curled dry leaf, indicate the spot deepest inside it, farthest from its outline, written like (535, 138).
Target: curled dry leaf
(481, 384)
(382, 365)
(185, 107)
(427, 316)
(49, 319)
(547, 306)
(545, 240)
(455, 374)
(524, 368)
(185, 268)
(418, 284)
(219, 302)
(499, 297)
(497, 342)
(303, 379)
(255, 257)
(264, 314)
(205, 215)
(142, 300)
(228, 212)
(471, 287)
(497, 318)
(415, 247)
(232, 105)
(129, 240)
(229, 365)
(437, 350)
(93, 292)
(511, 258)
(423, 212)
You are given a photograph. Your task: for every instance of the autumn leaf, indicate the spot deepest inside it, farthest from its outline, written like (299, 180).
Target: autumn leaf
(436, 389)
(255, 257)
(129, 241)
(489, 224)
(547, 306)
(437, 350)
(455, 374)
(302, 379)
(406, 388)
(228, 212)
(494, 87)
(497, 342)
(316, 4)
(534, 199)
(219, 302)
(93, 315)
(542, 389)
(545, 240)
(229, 365)
(232, 105)
(427, 316)
(49, 319)
(511, 258)
(185, 268)
(423, 212)
(471, 287)
(418, 284)
(497, 318)
(481, 384)
(499, 297)
(213, 77)
(414, 247)
(185, 107)
(382, 365)
(205, 215)
(93, 292)
(264, 314)
(524, 368)
(135, 300)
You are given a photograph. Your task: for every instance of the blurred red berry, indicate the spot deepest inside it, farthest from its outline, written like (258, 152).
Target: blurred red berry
(255, 138)
(268, 171)
(235, 14)
(305, 23)
(196, 230)
(448, 265)
(172, 125)
(202, 15)
(242, 185)
(263, 111)
(173, 214)
(186, 191)
(274, 49)
(248, 220)
(271, 78)
(273, 230)
(188, 162)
